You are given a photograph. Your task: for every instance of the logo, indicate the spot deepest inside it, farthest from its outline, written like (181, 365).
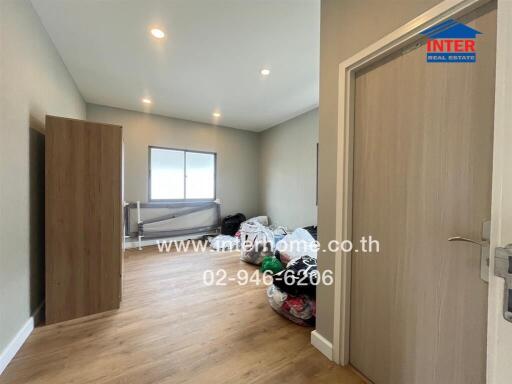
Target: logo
(451, 42)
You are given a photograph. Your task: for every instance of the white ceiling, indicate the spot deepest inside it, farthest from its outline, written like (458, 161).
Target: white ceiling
(210, 59)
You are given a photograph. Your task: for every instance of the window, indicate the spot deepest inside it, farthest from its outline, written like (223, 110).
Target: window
(181, 175)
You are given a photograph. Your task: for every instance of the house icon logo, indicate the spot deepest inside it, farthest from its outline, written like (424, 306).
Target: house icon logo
(451, 42)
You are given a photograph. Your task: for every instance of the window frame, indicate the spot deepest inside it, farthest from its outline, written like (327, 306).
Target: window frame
(185, 151)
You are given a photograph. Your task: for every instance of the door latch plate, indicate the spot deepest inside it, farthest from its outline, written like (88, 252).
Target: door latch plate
(503, 268)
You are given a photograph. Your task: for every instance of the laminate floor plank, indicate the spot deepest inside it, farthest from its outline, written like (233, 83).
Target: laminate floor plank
(173, 329)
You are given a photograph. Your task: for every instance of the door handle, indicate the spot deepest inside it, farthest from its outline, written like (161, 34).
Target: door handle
(484, 248)
(481, 243)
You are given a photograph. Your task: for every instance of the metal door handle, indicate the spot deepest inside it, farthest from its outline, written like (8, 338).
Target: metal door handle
(482, 243)
(484, 248)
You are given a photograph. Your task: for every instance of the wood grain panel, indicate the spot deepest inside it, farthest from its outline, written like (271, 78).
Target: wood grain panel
(422, 173)
(83, 218)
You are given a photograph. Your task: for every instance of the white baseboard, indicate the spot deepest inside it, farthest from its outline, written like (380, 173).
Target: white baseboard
(14, 346)
(322, 344)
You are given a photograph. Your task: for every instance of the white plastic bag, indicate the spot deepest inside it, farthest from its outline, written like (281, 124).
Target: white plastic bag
(279, 231)
(223, 242)
(263, 220)
(257, 241)
(297, 244)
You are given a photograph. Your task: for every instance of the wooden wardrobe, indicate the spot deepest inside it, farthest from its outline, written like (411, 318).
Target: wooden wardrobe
(83, 218)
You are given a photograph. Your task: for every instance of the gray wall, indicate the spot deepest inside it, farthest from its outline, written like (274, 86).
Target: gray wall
(33, 82)
(288, 171)
(237, 153)
(347, 26)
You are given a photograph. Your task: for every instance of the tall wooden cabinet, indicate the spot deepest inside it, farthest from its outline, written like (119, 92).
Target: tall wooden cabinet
(83, 171)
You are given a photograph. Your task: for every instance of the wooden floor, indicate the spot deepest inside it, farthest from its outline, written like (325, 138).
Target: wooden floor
(171, 328)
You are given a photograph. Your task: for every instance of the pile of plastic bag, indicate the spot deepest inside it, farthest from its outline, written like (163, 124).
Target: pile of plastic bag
(256, 241)
(299, 309)
(229, 239)
(291, 260)
(293, 291)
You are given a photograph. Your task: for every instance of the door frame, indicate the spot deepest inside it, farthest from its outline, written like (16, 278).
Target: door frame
(391, 43)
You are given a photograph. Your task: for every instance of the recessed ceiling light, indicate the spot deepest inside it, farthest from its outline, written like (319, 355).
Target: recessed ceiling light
(146, 100)
(265, 71)
(216, 114)
(158, 33)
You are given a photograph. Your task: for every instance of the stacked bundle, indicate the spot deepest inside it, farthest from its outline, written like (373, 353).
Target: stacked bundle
(296, 244)
(293, 291)
(257, 241)
(299, 309)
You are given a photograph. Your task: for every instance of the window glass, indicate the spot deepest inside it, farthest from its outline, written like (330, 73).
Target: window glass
(167, 174)
(200, 175)
(181, 175)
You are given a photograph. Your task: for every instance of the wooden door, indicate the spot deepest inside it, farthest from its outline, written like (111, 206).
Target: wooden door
(422, 173)
(83, 218)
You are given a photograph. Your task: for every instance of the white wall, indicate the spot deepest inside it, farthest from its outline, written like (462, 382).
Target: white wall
(237, 154)
(33, 82)
(272, 172)
(288, 171)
